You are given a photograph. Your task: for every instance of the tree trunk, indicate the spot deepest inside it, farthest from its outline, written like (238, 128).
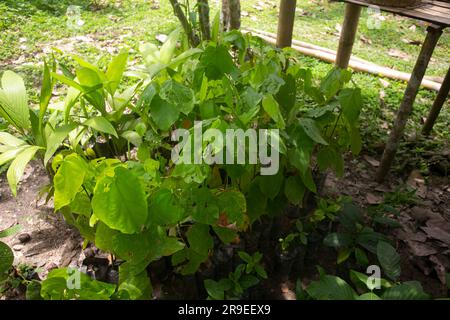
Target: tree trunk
(203, 14)
(192, 37)
(231, 14)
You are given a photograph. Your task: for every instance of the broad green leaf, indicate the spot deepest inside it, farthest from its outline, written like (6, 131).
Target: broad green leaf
(163, 209)
(233, 206)
(361, 257)
(120, 201)
(61, 284)
(102, 125)
(330, 288)
(286, 96)
(10, 231)
(11, 154)
(215, 28)
(310, 128)
(272, 108)
(351, 104)
(137, 286)
(217, 62)
(71, 83)
(163, 113)
(17, 167)
(247, 281)
(55, 139)
(69, 179)
(88, 78)
(226, 235)
(167, 50)
(33, 290)
(215, 289)
(46, 92)
(343, 255)
(368, 296)
(87, 65)
(334, 81)
(369, 239)
(206, 209)
(115, 71)
(178, 95)
(10, 140)
(183, 57)
(361, 279)
(104, 237)
(411, 290)
(14, 101)
(389, 260)
(256, 202)
(6, 257)
(132, 137)
(338, 240)
(200, 239)
(271, 185)
(355, 141)
(294, 190)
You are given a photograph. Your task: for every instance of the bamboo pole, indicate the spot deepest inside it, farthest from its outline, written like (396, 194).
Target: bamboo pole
(286, 23)
(433, 34)
(356, 64)
(437, 105)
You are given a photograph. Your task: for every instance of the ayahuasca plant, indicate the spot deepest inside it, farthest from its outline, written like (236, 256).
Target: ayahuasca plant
(365, 287)
(133, 200)
(244, 277)
(356, 234)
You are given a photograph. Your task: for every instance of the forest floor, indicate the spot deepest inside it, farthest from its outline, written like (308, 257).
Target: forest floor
(418, 187)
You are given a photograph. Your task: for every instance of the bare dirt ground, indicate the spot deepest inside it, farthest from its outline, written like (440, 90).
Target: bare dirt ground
(51, 242)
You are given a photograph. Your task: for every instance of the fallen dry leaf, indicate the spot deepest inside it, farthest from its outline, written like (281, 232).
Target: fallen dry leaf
(420, 249)
(372, 161)
(373, 199)
(437, 233)
(399, 54)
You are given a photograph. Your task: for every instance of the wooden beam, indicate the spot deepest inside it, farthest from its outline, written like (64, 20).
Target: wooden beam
(433, 34)
(437, 105)
(348, 34)
(355, 63)
(286, 23)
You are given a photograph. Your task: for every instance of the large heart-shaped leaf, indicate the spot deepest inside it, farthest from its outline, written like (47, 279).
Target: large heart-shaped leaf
(68, 180)
(120, 201)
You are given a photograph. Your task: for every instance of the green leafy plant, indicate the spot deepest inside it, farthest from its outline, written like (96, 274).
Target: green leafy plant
(330, 287)
(6, 254)
(60, 286)
(293, 237)
(244, 277)
(110, 150)
(355, 236)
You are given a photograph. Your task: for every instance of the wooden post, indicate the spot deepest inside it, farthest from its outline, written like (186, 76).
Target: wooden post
(348, 34)
(433, 34)
(286, 23)
(437, 105)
